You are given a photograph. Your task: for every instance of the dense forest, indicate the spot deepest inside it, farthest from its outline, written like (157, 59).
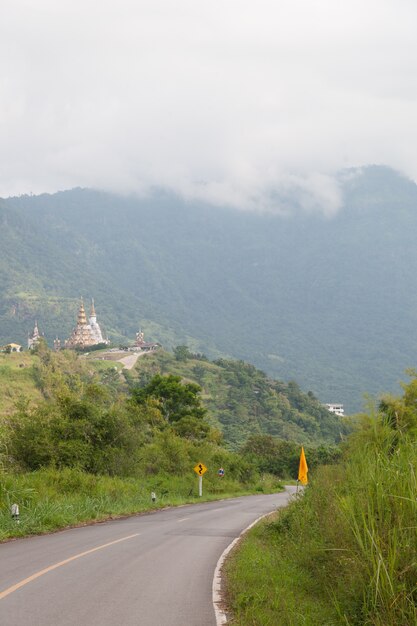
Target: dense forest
(328, 301)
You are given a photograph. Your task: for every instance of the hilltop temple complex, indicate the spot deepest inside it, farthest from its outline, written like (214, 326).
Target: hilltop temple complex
(86, 333)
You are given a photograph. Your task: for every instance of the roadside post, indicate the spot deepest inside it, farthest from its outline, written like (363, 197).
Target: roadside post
(200, 469)
(14, 510)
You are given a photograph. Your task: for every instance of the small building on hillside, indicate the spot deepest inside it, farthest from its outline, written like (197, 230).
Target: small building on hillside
(57, 344)
(144, 346)
(337, 409)
(11, 347)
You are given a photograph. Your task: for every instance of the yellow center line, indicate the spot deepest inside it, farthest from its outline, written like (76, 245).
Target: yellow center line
(25, 581)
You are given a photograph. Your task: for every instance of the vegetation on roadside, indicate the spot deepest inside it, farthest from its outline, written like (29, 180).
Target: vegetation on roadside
(346, 552)
(91, 446)
(16, 380)
(281, 458)
(50, 499)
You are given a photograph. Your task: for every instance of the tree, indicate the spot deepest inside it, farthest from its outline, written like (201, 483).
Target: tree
(73, 431)
(401, 413)
(272, 455)
(276, 456)
(175, 399)
(192, 428)
(182, 353)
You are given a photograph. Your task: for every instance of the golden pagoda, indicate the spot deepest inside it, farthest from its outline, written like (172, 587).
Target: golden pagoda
(81, 336)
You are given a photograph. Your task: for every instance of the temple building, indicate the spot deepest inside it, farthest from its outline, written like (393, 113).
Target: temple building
(57, 344)
(95, 328)
(144, 346)
(33, 338)
(86, 333)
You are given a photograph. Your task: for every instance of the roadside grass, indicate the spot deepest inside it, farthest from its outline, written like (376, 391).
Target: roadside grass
(344, 553)
(51, 499)
(267, 584)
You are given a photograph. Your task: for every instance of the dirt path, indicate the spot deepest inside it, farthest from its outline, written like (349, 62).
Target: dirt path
(130, 360)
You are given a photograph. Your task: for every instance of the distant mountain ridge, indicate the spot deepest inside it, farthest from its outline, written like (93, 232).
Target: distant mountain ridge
(328, 302)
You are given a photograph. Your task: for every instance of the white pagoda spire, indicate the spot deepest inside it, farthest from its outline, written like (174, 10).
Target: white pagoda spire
(95, 327)
(34, 337)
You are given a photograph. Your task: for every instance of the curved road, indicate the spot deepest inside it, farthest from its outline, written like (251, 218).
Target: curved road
(147, 570)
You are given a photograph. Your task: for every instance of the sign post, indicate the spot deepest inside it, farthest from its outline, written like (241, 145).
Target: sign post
(200, 469)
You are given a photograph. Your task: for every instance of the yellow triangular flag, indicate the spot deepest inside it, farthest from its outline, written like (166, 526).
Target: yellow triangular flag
(303, 469)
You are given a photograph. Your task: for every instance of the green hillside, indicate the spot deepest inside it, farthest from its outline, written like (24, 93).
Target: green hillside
(241, 400)
(328, 302)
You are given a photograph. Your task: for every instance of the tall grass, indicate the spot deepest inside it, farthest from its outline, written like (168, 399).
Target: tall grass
(50, 499)
(379, 504)
(347, 550)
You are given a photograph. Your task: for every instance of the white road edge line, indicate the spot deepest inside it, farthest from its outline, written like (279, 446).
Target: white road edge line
(221, 617)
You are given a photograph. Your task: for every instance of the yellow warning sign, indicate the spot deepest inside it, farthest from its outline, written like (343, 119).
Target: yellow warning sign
(200, 469)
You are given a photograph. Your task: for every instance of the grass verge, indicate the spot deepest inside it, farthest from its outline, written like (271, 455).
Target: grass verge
(267, 584)
(346, 552)
(52, 499)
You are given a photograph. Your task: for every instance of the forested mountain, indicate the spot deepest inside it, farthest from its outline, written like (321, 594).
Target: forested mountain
(329, 302)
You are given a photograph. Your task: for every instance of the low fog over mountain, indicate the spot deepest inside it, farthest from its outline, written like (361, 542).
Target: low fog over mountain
(327, 300)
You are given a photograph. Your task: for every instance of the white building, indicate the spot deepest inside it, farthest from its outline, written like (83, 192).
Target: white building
(337, 409)
(95, 328)
(33, 339)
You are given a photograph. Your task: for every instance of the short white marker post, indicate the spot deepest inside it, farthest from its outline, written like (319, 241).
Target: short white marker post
(200, 486)
(14, 510)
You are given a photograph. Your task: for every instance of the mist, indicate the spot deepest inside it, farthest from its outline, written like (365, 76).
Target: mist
(230, 102)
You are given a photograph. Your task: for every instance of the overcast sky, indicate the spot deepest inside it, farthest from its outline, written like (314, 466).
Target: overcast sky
(223, 99)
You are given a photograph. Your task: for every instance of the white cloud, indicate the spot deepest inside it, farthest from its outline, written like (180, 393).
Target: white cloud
(246, 97)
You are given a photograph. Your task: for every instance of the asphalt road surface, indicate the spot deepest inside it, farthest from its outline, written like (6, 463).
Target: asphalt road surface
(147, 570)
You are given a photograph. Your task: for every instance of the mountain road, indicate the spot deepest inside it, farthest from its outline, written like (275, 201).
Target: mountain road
(150, 570)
